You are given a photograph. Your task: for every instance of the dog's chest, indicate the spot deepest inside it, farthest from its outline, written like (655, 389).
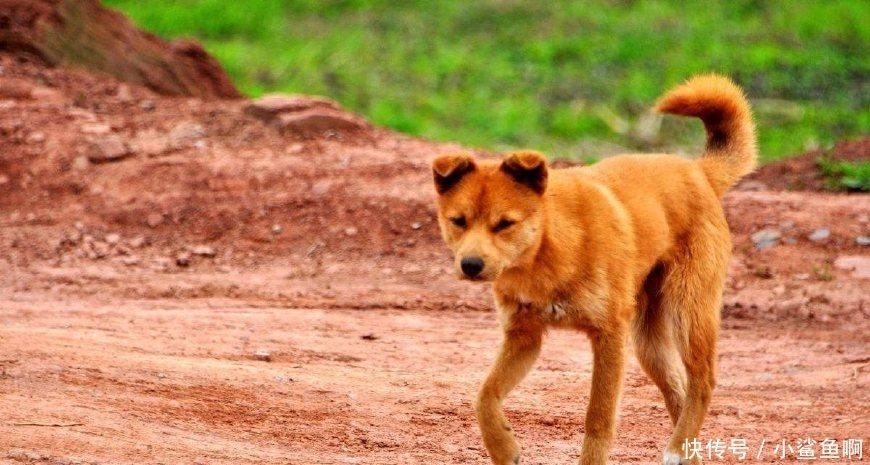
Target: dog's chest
(573, 312)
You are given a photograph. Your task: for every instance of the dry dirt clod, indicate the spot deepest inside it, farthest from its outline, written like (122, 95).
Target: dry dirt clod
(108, 149)
(185, 134)
(182, 259)
(98, 129)
(203, 251)
(131, 260)
(137, 242)
(263, 355)
(268, 106)
(154, 219)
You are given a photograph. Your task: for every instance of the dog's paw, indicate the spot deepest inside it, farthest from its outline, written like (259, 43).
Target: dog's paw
(671, 458)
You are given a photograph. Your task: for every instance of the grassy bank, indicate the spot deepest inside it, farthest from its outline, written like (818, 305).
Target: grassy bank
(570, 78)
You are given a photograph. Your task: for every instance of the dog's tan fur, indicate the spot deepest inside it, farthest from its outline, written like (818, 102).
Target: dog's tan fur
(635, 244)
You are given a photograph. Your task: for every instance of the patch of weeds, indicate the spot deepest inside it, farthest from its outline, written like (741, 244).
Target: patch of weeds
(763, 272)
(823, 273)
(845, 175)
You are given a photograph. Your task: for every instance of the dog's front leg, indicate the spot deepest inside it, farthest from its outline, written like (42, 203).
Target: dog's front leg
(608, 348)
(519, 350)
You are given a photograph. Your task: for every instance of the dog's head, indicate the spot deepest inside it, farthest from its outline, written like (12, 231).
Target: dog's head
(491, 213)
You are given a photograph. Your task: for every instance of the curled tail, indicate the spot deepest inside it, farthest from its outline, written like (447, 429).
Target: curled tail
(731, 152)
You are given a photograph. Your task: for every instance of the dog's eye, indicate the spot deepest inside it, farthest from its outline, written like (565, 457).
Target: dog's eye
(459, 221)
(503, 224)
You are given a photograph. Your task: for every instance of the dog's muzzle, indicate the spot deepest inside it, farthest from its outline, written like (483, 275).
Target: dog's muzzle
(471, 266)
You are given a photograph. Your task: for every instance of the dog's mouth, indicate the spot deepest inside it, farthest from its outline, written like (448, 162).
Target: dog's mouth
(474, 279)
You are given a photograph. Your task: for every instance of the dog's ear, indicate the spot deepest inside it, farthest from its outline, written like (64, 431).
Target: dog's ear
(447, 170)
(527, 167)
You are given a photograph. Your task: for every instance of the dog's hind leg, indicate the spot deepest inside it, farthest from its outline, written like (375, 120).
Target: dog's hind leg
(692, 293)
(519, 350)
(656, 345)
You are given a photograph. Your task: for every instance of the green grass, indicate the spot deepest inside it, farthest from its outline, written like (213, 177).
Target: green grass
(567, 77)
(846, 176)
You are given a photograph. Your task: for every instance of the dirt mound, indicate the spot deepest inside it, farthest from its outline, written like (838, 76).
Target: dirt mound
(802, 173)
(84, 33)
(105, 176)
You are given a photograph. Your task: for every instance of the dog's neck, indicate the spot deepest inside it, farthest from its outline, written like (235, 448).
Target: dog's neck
(537, 277)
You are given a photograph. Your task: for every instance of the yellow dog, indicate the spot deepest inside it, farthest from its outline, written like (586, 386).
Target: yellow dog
(634, 244)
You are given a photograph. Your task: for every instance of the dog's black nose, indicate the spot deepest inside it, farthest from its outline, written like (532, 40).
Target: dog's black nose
(471, 266)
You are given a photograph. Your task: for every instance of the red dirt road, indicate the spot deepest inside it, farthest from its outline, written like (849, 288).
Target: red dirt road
(178, 382)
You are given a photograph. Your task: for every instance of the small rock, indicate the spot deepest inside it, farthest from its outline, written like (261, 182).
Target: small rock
(46, 95)
(416, 225)
(766, 238)
(154, 219)
(73, 237)
(81, 113)
(137, 242)
(450, 448)
(113, 238)
(792, 306)
(130, 260)
(862, 240)
(14, 88)
(859, 265)
(321, 187)
(351, 231)
(98, 129)
(318, 122)
(182, 259)
(123, 93)
(161, 264)
(819, 235)
(81, 163)
(268, 106)
(369, 337)
(263, 355)
(35, 137)
(277, 229)
(98, 250)
(203, 251)
(150, 142)
(185, 133)
(147, 105)
(108, 149)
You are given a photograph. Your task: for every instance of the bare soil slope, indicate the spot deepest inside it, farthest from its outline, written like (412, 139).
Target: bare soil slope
(206, 281)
